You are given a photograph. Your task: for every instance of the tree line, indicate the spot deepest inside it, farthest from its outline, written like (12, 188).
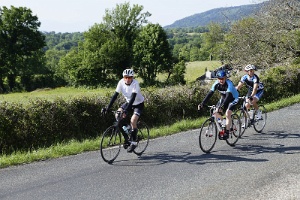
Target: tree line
(31, 59)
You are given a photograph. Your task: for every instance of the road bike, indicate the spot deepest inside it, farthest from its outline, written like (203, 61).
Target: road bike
(211, 129)
(250, 118)
(112, 138)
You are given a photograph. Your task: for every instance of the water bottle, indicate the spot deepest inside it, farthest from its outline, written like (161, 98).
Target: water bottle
(219, 121)
(126, 129)
(224, 123)
(251, 113)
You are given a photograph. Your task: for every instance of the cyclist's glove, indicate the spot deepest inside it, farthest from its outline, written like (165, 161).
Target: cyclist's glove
(200, 106)
(104, 111)
(251, 98)
(220, 109)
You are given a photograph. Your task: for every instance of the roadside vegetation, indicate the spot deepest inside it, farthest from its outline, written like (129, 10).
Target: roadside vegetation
(75, 147)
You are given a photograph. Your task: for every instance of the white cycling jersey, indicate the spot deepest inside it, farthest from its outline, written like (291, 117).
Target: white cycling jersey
(127, 91)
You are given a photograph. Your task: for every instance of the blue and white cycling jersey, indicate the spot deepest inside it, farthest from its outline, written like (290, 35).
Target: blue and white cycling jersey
(250, 81)
(227, 87)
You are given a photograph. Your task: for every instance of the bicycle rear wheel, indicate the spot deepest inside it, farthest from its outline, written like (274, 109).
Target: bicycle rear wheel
(110, 144)
(235, 130)
(143, 136)
(208, 136)
(260, 123)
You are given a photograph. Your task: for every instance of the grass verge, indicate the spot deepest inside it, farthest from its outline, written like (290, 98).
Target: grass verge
(75, 147)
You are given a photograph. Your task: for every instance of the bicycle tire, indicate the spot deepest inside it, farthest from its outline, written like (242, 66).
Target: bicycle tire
(208, 136)
(143, 137)
(244, 121)
(259, 124)
(235, 130)
(110, 145)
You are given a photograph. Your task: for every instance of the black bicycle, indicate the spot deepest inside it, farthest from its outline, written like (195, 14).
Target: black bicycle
(112, 139)
(211, 128)
(250, 118)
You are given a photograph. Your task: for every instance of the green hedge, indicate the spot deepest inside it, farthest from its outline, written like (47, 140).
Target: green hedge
(43, 123)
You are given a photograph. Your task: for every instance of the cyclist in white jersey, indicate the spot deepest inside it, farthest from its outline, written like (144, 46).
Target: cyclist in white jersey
(255, 88)
(130, 89)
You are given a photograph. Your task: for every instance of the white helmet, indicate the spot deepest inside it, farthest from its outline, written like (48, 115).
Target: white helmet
(249, 67)
(128, 72)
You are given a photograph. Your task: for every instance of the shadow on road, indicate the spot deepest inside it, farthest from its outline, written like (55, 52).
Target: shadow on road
(259, 143)
(159, 158)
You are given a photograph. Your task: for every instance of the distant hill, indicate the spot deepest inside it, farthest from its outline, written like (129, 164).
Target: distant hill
(222, 15)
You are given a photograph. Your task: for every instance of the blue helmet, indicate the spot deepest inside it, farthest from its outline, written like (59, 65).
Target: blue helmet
(221, 74)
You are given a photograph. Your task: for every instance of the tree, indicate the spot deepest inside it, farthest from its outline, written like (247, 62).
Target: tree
(124, 22)
(267, 39)
(152, 53)
(21, 44)
(107, 47)
(213, 39)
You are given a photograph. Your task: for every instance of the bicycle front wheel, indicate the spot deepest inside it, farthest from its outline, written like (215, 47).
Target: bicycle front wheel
(244, 121)
(235, 130)
(143, 136)
(110, 144)
(208, 136)
(260, 121)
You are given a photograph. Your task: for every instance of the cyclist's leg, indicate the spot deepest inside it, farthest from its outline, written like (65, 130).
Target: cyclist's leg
(219, 115)
(248, 103)
(256, 98)
(230, 108)
(137, 111)
(122, 123)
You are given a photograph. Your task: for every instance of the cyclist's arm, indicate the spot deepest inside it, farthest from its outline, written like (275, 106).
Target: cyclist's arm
(133, 95)
(239, 85)
(112, 100)
(208, 96)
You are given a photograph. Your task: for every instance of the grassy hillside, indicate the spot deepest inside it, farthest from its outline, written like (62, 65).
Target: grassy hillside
(197, 69)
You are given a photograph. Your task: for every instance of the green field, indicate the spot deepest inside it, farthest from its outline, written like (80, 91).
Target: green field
(193, 71)
(196, 69)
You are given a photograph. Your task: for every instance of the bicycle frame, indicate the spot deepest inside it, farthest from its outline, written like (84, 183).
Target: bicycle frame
(112, 138)
(258, 124)
(211, 129)
(214, 117)
(244, 109)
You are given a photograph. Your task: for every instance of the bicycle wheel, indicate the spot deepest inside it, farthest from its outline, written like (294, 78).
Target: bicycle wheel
(244, 121)
(208, 136)
(260, 123)
(110, 145)
(235, 130)
(143, 136)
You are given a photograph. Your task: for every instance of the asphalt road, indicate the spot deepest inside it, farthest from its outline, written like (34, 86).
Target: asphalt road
(260, 166)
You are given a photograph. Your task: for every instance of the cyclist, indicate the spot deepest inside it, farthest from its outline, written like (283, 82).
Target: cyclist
(229, 99)
(130, 89)
(255, 88)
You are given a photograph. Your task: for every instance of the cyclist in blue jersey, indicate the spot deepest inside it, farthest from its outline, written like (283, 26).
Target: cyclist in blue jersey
(131, 91)
(255, 88)
(228, 101)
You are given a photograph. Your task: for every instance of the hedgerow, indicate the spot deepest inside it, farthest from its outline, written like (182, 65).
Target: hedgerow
(42, 123)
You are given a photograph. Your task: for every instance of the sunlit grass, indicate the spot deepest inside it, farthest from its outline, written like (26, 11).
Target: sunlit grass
(196, 69)
(52, 94)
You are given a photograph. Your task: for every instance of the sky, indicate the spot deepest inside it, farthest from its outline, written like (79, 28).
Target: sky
(79, 15)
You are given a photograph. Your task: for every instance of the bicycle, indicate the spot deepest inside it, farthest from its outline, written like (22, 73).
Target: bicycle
(211, 128)
(251, 119)
(112, 139)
